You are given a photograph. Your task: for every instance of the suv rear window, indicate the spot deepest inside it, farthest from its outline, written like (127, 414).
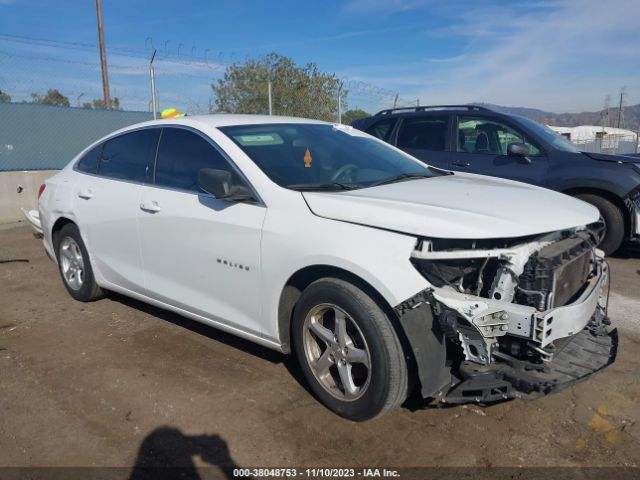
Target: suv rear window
(424, 133)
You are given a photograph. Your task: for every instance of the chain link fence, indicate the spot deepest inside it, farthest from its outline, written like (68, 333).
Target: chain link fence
(49, 88)
(613, 144)
(184, 79)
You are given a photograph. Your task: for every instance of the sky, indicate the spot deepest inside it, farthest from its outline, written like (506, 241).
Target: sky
(556, 55)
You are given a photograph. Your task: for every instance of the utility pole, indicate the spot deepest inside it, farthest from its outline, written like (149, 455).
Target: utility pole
(154, 99)
(606, 112)
(340, 102)
(103, 57)
(621, 107)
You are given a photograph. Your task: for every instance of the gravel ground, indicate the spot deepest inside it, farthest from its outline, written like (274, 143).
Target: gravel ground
(120, 383)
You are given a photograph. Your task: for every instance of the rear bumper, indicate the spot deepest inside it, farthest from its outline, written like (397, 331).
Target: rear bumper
(33, 217)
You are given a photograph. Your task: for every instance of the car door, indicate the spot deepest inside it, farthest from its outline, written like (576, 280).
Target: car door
(425, 137)
(106, 197)
(481, 144)
(200, 254)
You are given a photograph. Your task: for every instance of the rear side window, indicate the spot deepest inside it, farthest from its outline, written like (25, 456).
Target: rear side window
(89, 162)
(126, 157)
(382, 129)
(181, 155)
(424, 133)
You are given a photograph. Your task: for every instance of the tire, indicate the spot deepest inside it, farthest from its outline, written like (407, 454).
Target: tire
(367, 353)
(613, 219)
(74, 265)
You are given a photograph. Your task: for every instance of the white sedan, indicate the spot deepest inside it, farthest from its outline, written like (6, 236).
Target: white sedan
(380, 273)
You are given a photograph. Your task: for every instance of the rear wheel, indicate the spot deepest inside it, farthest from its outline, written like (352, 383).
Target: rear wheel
(348, 350)
(613, 219)
(74, 265)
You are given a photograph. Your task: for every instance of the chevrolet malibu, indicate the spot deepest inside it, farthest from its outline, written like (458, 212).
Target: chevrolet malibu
(381, 274)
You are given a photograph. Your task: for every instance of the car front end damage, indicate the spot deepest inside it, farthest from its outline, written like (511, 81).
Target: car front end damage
(509, 318)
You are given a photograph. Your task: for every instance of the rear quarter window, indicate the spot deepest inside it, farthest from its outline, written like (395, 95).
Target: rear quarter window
(89, 161)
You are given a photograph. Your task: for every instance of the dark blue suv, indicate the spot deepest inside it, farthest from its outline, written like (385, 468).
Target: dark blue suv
(475, 139)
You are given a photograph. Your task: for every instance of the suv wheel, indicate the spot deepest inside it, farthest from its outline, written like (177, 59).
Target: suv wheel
(348, 350)
(74, 265)
(613, 220)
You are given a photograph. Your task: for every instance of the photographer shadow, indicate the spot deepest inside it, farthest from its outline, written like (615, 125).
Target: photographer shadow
(168, 453)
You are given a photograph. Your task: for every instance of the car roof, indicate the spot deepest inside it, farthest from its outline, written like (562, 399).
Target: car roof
(227, 120)
(433, 108)
(417, 111)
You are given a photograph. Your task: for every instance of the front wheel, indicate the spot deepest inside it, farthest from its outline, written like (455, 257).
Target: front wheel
(348, 350)
(613, 220)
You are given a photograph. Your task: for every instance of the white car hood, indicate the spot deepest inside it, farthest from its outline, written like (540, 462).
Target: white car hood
(461, 206)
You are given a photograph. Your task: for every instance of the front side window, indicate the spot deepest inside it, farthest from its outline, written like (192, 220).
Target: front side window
(181, 155)
(89, 161)
(382, 129)
(490, 137)
(307, 156)
(424, 133)
(127, 156)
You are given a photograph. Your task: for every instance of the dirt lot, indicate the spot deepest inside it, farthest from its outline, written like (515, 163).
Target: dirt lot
(116, 382)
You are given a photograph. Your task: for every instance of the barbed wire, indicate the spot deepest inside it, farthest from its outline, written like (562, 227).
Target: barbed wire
(184, 75)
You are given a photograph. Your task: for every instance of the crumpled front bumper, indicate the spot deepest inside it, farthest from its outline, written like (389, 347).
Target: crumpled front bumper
(526, 322)
(577, 334)
(584, 354)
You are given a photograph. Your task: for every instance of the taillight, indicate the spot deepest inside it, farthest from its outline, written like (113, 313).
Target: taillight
(41, 190)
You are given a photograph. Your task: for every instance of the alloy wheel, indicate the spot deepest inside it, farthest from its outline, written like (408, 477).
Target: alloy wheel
(337, 352)
(71, 263)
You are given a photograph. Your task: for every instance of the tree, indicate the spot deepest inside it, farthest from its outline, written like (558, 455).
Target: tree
(4, 97)
(295, 90)
(98, 104)
(53, 97)
(351, 115)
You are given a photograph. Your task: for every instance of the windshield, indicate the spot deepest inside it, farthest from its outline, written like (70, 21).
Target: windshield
(558, 141)
(323, 157)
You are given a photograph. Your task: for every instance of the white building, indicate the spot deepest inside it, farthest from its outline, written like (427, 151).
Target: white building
(597, 138)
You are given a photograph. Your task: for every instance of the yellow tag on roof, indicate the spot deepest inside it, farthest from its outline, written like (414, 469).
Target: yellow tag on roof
(307, 158)
(171, 113)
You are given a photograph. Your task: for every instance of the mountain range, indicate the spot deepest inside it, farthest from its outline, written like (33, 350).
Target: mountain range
(631, 116)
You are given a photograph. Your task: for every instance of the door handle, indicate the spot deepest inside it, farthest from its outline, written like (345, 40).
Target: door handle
(461, 164)
(85, 193)
(151, 207)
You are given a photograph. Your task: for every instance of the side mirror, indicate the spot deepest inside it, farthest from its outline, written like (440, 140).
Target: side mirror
(519, 150)
(222, 184)
(215, 182)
